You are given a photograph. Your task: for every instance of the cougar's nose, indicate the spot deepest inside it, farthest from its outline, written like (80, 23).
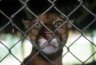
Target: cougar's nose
(48, 35)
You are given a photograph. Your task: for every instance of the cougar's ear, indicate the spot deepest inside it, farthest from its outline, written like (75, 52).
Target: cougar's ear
(26, 23)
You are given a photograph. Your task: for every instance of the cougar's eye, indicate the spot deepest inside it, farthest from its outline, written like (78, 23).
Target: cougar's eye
(58, 23)
(38, 25)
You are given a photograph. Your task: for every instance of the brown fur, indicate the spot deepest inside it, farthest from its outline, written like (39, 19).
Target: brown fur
(48, 19)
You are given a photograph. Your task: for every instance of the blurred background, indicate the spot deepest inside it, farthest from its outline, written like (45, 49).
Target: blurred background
(80, 48)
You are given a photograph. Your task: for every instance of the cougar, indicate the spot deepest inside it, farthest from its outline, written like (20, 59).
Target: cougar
(50, 33)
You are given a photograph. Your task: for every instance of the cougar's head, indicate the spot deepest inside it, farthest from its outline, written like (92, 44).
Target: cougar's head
(49, 31)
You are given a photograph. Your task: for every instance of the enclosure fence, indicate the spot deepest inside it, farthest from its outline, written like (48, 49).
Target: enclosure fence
(52, 2)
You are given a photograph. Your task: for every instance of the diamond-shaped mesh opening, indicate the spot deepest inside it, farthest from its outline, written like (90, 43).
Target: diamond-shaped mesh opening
(40, 8)
(9, 7)
(66, 57)
(73, 37)
(90, 4)
(91, 27)
(78, 52)
(66, 6)
(38, 28)
(18, 22)
(84, 18)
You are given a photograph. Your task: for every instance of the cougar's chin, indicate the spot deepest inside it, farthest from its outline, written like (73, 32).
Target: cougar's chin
(48, 47)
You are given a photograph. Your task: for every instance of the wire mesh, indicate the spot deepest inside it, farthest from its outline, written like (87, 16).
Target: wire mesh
(52, 5)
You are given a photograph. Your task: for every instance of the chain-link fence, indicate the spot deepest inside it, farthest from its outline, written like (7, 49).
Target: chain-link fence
(81, 30)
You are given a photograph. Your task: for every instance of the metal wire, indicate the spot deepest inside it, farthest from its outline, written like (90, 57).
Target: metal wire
(24, 5)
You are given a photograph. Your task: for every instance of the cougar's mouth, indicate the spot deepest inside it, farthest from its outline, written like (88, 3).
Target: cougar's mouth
(48, 47)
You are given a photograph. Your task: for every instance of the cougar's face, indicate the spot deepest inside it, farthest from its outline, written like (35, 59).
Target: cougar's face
(48, 31)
